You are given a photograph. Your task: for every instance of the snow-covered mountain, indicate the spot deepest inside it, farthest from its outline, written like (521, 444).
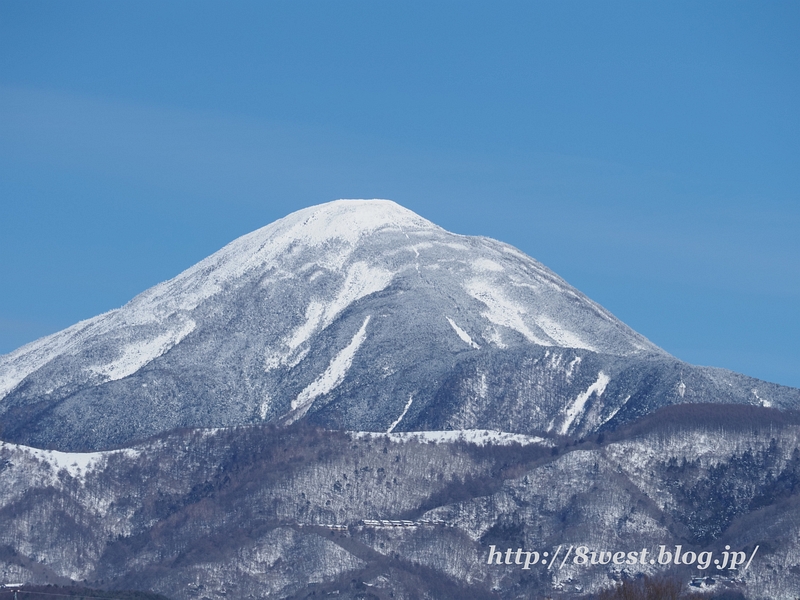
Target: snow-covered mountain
(356, 315)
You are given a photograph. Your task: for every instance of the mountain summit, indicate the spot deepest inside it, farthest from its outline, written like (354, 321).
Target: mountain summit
(357, 315)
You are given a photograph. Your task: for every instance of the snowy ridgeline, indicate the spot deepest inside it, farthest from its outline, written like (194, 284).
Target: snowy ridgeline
(479, 437)
(77, 464)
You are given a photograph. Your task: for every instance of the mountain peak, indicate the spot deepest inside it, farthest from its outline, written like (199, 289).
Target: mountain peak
(329, 233)
(347, 220)
(354, 314)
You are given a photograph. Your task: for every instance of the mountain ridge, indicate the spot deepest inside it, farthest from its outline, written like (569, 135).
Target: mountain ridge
(285, 511)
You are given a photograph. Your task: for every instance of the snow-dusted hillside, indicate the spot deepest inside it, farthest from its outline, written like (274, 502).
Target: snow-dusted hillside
(297, 512)
(356, 315)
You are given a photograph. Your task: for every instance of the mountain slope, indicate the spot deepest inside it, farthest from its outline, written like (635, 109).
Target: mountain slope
(355, 315)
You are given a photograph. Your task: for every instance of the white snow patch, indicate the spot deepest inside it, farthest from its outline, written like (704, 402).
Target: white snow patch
(77, 464)
(263, 409)
(530, 286)
(16, 366)
(485, 264)
(598, 387)
(135, 356)
(562, 337)
(616, 410)
(306, 267)
(403, 414)
(314, 312)
(454, 245)
(362, 280)
(483, 387)
(764, 402)
(481, 437)
(462, 334)
(333, 375)
(519, 254)
(572, 365)
(502, 311)
(493, 336)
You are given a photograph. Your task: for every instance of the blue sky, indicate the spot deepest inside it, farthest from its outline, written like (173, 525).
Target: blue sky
(649, 153)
